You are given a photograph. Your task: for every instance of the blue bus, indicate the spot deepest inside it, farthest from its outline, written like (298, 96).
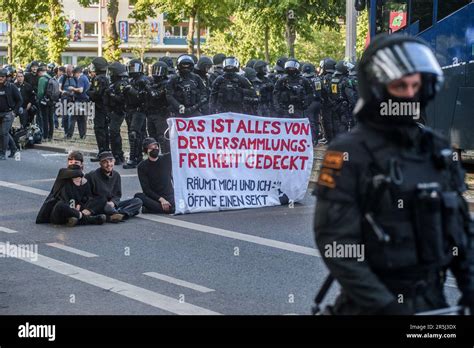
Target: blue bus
(448, 27)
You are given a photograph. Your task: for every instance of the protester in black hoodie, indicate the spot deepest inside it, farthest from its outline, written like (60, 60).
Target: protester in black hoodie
(69, 202)
(155, 178)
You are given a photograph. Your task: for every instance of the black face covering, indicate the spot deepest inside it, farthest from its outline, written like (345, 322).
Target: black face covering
(154, 153)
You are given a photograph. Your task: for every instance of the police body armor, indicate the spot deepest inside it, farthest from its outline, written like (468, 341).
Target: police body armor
(157, 96)
(186, 92)
(114, 95)
(414, 213)
(230, 91)
(99, 85)
(136, 95)
(317, 85)
(294, 93)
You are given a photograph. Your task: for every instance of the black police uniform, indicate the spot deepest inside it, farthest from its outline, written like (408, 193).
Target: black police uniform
(314, 109)
(328, 66)
(228, 93)
(10, 101)
(292, 96)
(158, 112)
(136, 96)
(187, 90)
(264, 89)
(99, 84)
(342, 102)
(115, 102)
(395, 189)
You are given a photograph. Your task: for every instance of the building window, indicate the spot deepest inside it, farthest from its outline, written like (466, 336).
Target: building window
(91, 29)
(3, 28)
(422, 11)
(66, 60)
(445, 8)
(175, 31)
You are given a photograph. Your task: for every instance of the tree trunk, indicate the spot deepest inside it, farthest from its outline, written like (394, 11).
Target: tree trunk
(290, 36)
(198, 37)
(10, 38)
(112, 35)
(191, 32)
(266, 39)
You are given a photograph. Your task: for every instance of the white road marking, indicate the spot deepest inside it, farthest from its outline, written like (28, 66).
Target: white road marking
(234, 235)
(71, 250)
(198, 227)
(179, 282)
(128, 175)
(148, 297)
(7, 230)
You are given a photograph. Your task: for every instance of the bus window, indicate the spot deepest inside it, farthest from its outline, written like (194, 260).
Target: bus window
(422, 10)
(391, 15)
(445, 8)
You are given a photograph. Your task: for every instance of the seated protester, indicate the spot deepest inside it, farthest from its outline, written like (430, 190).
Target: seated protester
(69, 202)
(76, 158)
(106, 183)
(154, 174)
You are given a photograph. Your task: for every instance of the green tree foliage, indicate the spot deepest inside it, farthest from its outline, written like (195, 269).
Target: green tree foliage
(31, 12)
(57, 40)
(30, 43)
(210, 13)
(362, 31)
(143, 39)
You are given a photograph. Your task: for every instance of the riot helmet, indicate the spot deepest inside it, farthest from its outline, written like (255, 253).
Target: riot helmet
(231, 64)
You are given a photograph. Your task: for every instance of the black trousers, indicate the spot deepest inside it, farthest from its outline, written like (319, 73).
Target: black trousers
(6, 122)
(313, 115)
(101, 129)
(62, 212)
(129, 208)
(153, 206)
(136, 122)
(116, 120)
(156, 124)
(47, 117)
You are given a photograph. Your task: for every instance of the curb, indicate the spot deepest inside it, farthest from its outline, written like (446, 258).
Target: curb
(61, 149)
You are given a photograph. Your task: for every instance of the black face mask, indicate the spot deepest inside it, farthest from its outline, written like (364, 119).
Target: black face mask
(154, 153)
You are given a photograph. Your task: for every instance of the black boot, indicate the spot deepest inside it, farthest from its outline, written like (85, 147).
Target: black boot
(92, 220)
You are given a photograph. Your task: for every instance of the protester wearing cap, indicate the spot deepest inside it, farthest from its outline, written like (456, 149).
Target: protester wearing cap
(106, 183)
(155, 179)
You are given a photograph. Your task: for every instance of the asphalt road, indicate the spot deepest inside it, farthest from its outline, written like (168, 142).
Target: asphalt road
(256, 261)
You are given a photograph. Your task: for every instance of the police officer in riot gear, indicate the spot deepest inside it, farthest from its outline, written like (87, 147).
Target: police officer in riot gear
(293, 93)
(252, 97)
(202, 69)
(278, 70)
(185, 91)
(395, 189)
(314, 110)
(264, 89)
(99, 84)
(327, 66)
(342, 99)
(217, 69)
(169, 62)
(115, 102)
(136, 95)
(230, 90)
(158, 111)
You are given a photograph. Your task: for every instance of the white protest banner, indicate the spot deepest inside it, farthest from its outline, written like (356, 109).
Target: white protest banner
(234, 161)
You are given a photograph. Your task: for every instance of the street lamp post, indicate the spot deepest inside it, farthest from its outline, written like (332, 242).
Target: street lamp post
(99, 42)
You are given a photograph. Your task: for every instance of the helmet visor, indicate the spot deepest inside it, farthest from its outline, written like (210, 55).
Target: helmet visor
(292, 64)
(231, 63)
(407, 58)
(135, 68)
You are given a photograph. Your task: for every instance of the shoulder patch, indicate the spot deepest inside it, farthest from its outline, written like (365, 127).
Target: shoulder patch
(333, 160)
(326, 178)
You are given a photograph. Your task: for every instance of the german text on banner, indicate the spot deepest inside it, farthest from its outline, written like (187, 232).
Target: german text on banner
(234, 161)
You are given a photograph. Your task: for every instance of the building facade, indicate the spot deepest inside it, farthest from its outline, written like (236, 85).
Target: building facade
(155, 37)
